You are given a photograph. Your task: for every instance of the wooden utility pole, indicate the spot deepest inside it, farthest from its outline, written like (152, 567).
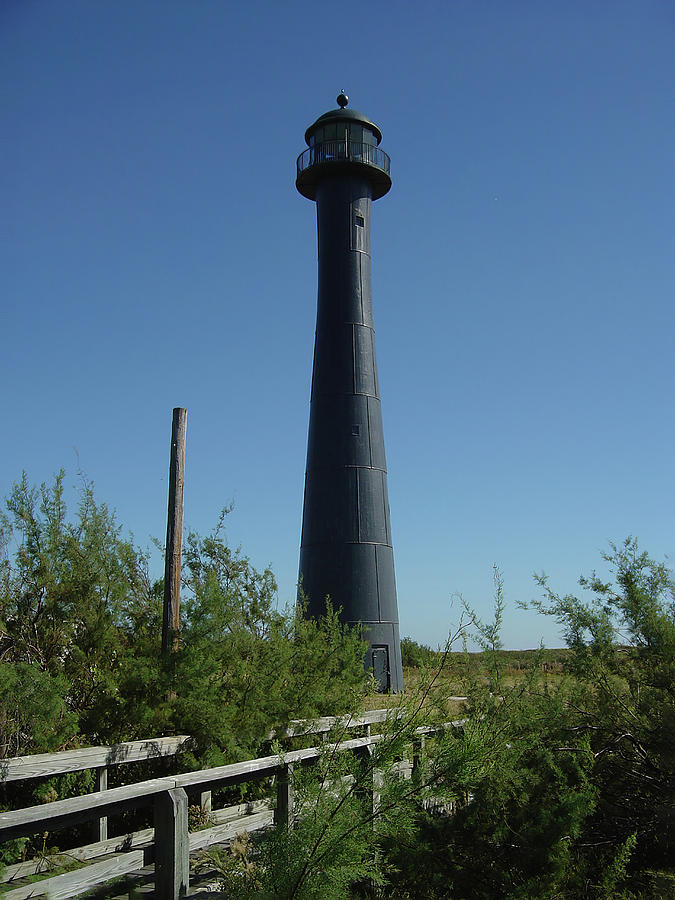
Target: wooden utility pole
(174, 533)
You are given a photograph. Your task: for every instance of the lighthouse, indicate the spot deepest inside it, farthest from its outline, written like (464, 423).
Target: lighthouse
(346, 550)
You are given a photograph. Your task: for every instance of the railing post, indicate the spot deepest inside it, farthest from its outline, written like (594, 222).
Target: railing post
(172, 846)
(419, 746)
(378, 781)
(372, 785)
(101, 824)
(205, 802)
(284, 811)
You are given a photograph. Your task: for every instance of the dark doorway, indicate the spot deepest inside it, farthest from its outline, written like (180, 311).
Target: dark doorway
(381, 667)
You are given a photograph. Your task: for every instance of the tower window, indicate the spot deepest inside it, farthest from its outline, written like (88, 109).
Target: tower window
(355, 133)
(356, 429)
(360, 221)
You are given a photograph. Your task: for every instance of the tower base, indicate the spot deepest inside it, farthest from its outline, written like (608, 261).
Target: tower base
(383, 657)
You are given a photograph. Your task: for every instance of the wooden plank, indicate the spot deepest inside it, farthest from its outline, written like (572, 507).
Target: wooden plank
(240, 811)
(299, 727)
(17, 871)
(43, 765)
(234, 773)
(218, 834)
(434, 729)
(61, 813)
(322, 724)
(70, 884)
(121, 844)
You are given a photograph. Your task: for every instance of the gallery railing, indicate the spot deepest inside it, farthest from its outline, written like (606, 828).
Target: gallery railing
(339, 151)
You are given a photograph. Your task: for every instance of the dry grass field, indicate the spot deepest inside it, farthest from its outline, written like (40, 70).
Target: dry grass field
(514, 664)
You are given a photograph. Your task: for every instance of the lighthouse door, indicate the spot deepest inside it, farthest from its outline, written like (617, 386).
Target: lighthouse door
(381, 672)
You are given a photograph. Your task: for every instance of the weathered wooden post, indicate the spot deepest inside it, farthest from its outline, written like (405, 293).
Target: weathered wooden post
(378, 782)
(205, 802)
(101, 824)
(172, 845)
(372, 780)
(419, 754)
(174, 533)
(284, 810)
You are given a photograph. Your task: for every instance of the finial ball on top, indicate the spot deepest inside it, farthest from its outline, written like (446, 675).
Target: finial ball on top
(342, 99)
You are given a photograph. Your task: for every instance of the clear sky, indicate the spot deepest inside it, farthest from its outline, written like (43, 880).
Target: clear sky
(155, 253)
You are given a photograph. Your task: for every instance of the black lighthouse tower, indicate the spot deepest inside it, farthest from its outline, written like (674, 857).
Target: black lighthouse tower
(346, 548)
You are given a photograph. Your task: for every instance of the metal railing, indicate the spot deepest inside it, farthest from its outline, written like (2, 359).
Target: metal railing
(339, 151)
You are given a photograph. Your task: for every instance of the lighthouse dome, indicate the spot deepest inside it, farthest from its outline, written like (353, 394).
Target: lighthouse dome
(336, 116)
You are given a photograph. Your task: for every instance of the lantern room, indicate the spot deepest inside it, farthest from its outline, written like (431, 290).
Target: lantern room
(340, 140)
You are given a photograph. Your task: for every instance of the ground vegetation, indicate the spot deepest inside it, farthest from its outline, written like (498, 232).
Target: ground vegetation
(556, 780)
(80, 645)
(559, 782)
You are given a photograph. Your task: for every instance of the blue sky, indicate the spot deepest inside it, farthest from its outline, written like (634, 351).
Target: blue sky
(155, 253)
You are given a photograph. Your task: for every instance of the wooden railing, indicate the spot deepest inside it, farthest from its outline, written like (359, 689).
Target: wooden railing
(170, 843)
(44, 765)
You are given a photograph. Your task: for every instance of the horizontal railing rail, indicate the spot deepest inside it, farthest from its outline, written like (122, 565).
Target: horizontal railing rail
(339, 151)
(323, 724)
(44, 765)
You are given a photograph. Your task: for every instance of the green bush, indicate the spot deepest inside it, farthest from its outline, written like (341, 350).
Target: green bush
(417, 655)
